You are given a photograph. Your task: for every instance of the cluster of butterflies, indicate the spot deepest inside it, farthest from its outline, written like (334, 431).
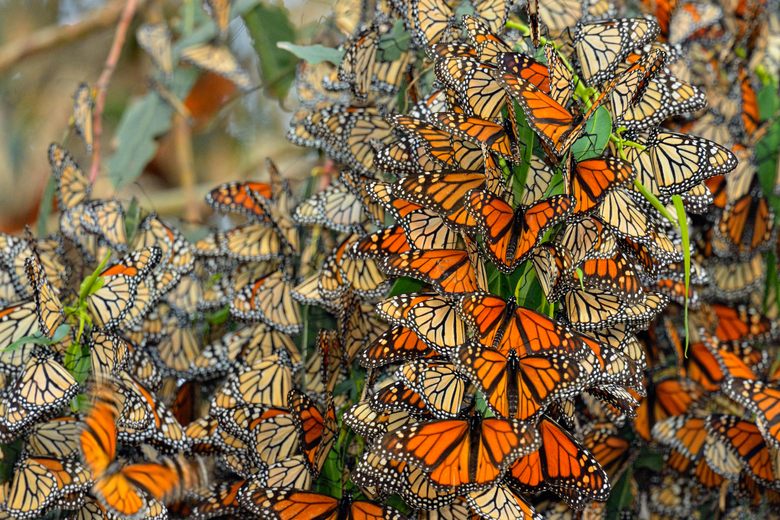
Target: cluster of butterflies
(490, 308)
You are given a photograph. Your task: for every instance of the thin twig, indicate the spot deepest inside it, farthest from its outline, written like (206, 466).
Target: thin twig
(185, 164)
(105, 78)
(55, 35)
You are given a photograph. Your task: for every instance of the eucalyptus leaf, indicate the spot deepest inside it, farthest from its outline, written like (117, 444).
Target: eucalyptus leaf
(392, 44)
(269, 25)
(595, 136)
(313, 54)
(39, 339)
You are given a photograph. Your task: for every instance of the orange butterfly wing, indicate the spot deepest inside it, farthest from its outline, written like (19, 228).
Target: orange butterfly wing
(593, 178)
(449, 270)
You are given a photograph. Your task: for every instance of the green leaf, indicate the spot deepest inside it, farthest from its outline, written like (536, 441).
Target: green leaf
(268, 25)
(768, 100)
(9, 454)
(620, 498)
(686, 246)
(77, 361)
(132, 219)
(218, 317)
(39, 339)
(141, 124)
(405, 285)
(595, 137)
(650, 460)
(392, 44)
(313, 53)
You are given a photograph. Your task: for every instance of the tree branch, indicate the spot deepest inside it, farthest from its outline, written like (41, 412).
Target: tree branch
(105, 78)
(52, 36)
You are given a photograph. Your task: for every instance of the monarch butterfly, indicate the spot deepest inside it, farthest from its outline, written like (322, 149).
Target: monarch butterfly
(602, 46)
(123, 490)
(410, 482)
(395, 345)
(357, 65)
(116, 298)
(428, 21)
(674, 163)
(155, 39)
(56, 437)
(741, 325)
(748, 225)
(381, 243)
(743, 439)
(500, 501)
(761, 399)
(434, 320)
(665, 96)
(219, 60)
(462, 453)
(481, 35)
(47, 302)
(326, 370)
(446, 148)
(221, 500)
(519, 386)
(83, 105)
(504, 325)
(357, 325)
(108, 355)
(316, 431)
(479, 131)
(267, 299)
(735, 280)
(351, 134)
(40, 482)
(474, 84)
(448, 270)
(288, 473)
(444, 193)
(234, 197)
(613, 452)
(143, 417)
(177, 257)
(372, 424)
(562, 465)
(590, 180)
(557, 127)
(613, 274)
(511, 235)
(335, 207)
(670, 396)
(439, 385)
(219, 10)
(42, 388)
(105, 219)
(269, 432)
(288, 503)
(684, 433)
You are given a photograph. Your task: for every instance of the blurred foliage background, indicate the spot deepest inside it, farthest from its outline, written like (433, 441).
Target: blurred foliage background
(48, 48)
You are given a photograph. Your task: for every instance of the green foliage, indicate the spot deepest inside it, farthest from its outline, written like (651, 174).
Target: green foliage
(621, 498)
(269, 25)
(77, 361)
(682, 219)
(768, 146)
(595, 137)
(405, 285)
(392, 44)
(39, 339)
(313, 53)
